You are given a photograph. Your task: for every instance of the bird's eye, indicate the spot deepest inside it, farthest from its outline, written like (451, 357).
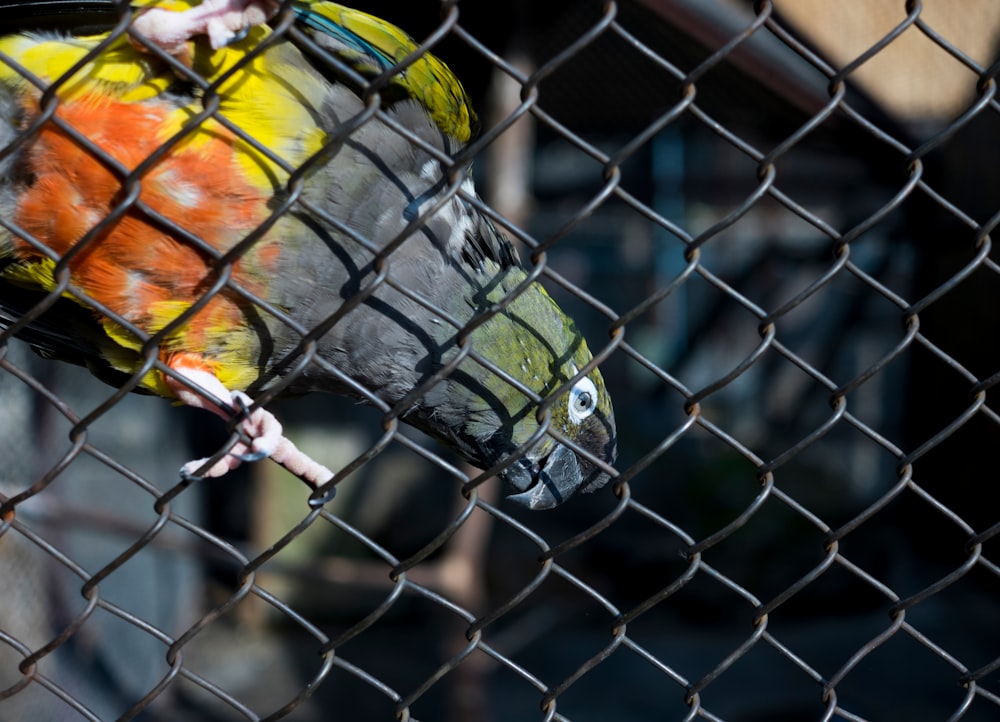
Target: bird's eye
(582, 400)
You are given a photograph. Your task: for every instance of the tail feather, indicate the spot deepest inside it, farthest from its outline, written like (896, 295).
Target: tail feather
(73, 335)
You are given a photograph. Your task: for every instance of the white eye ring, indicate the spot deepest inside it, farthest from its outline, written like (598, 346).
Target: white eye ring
(582, 400)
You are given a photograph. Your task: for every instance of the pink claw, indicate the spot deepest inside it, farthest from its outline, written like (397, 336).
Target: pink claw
(261, 426)
(220, 20)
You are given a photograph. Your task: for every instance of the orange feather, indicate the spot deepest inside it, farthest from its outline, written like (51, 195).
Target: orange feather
(134, 263)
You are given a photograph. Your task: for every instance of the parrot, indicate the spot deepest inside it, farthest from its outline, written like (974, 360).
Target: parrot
(216, 212)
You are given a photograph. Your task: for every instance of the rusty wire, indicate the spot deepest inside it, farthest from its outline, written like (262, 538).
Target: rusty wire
(743, 565)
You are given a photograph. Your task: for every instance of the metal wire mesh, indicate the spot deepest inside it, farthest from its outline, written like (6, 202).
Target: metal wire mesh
(796, 282)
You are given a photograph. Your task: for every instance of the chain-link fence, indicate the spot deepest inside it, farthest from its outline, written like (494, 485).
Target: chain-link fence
(772, 222)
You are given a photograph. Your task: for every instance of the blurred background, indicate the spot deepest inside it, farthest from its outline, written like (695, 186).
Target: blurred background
(787, 207)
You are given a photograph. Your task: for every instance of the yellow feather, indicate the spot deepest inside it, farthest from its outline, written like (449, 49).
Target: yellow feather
(33, 275)
(427, 80)
(119, 70)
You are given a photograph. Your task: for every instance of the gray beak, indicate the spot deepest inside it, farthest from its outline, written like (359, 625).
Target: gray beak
(546, 486)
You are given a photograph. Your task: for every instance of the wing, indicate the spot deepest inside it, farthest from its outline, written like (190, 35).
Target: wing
(373, 48)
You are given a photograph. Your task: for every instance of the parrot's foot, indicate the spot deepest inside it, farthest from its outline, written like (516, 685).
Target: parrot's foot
(220, 20)
(260, 425)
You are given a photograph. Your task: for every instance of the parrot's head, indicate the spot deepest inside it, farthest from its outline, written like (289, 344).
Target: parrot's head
(492, 420)
(550, 470)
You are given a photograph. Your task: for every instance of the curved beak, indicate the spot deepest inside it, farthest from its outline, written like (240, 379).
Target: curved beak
(549, 484)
